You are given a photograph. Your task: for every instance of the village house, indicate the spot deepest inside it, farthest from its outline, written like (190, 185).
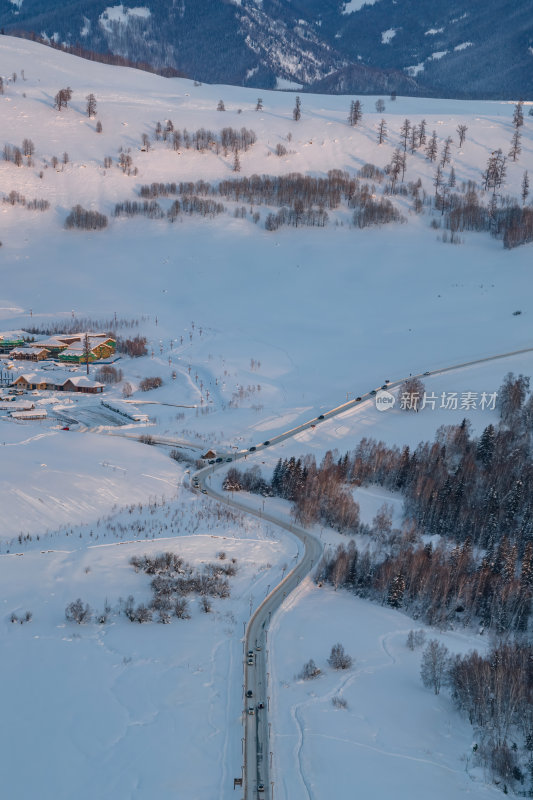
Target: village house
(75, 352)
(29, 353)
(70, 348)
(74, 383)
(8, 342)
(54, 345)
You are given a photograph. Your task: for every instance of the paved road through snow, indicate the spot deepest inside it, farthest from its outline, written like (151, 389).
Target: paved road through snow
(256, 726)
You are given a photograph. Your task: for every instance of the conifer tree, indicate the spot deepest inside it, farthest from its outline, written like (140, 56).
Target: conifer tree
(432, 148)
(525, 187)
(518, 114)
(404, 133)
(396, 592)
(422, 138)
(91, 105)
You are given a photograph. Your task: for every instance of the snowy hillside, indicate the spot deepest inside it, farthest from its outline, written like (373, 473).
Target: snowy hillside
(260, 302)
(463, 295)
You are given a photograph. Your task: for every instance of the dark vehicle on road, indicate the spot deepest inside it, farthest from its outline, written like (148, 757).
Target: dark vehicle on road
(321, 416)
(267, 442)
(252, 449)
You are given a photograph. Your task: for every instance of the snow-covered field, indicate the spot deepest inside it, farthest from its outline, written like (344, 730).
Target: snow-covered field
(395, 738)
(122, 710)
(257, 331)
(53, 478)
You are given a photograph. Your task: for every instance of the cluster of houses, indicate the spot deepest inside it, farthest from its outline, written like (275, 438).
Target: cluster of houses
(75, 348)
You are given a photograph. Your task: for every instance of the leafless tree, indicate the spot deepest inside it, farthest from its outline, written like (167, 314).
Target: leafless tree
(382, 131)
(411, 392)
(434, 665)
(28, 147)
(62, 98)
(461, 132)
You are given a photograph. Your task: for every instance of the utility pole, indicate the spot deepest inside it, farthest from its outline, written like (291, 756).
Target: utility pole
(86, 350)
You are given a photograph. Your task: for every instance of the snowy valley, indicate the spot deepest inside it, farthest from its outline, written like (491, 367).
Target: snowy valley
(257, 263)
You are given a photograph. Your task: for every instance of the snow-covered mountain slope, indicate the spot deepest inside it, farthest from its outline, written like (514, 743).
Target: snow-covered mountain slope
(458, 48)
(307, 299)
(184, 269)
(275, 325)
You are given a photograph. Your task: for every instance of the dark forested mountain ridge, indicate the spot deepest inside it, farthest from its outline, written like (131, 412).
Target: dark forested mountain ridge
(470, 48)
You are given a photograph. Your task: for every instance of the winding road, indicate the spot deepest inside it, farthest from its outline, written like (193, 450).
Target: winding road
(257, 729)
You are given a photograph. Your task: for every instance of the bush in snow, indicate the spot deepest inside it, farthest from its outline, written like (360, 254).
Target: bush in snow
(309, 671)
(339, 702)
(338, 659)
(415, 639)
(181, 609)
(150, 383)
(78, 612)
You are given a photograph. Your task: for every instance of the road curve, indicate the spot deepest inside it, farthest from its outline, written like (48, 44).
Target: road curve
(256, 677)
(257, 751)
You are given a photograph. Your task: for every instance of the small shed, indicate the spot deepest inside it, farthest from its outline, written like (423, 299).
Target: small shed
(36, 413)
